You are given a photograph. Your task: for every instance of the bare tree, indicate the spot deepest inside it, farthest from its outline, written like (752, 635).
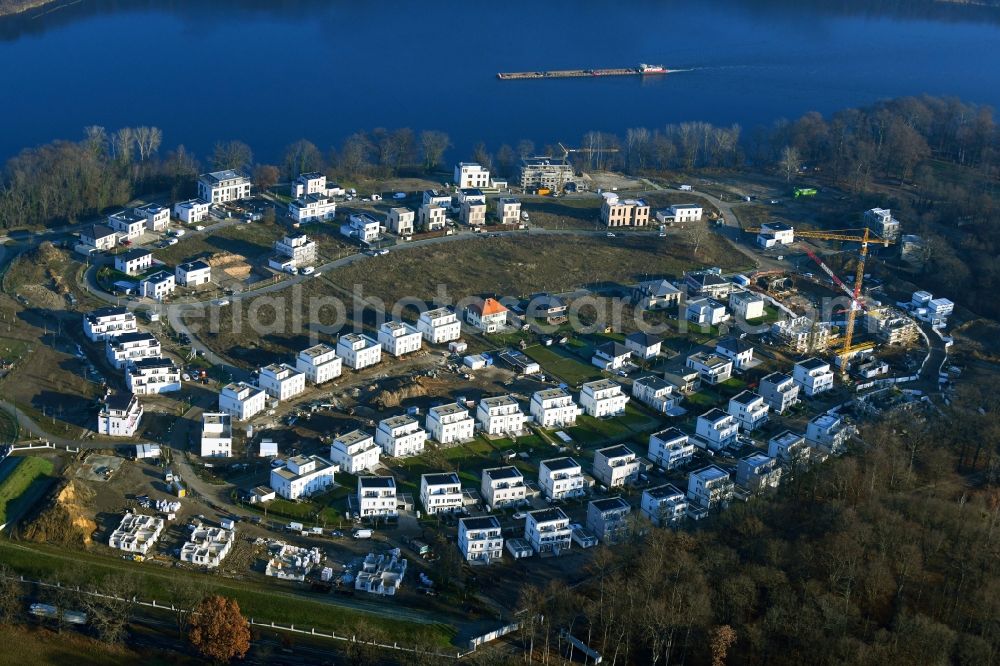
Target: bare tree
(433, 145)
(96, 139)
(302, 157)
(525, 148)
(10, 595)
(482, 156)
(147, 141)
(231, 155)
(266, 176)
(790, 162)
(109, 609)
(122, 145)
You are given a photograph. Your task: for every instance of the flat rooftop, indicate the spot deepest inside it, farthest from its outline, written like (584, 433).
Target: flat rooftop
(440, 479)
(558, 464)
(616, 451)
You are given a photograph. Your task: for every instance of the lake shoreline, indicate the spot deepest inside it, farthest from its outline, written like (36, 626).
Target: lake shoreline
(26, 6)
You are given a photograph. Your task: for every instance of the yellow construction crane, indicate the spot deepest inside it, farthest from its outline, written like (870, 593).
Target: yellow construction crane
(851, 236)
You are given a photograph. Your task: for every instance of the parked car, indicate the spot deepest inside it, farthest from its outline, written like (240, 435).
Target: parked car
(610, 234)
(308, 270)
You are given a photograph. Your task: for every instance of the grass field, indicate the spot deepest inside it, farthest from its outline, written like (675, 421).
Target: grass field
(23, 645)
(16, 476)
(8, 428)
(249, 240)
(570, 370)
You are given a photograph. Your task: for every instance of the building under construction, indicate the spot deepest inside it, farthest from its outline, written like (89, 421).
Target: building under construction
(802, 334)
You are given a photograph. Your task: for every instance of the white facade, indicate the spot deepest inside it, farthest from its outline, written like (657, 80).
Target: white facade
(644, 345)
(302, 476)
(757, 472)
(772, 234)
(611, 356)
(706, 312)
(158, 285)
(216, 435)
(223, 186)
(193, 273)
(709, 487)
(473, 213)
(401, 436)
(312, 182)
(717, 429)
(130, 347)
(439, 325)
(607, 518)
(432, 217)
(298, 247)
(749, 410)
(377, 496)
(109, 323)
(137, 533)
(670, 448)
(358, 350)
(779, 391)
(829, 433)
(99, 236)
(488, 316)
(813, 376)
(242, 401)
(440, 493)
(686, 212)
(157, 217)
(207, 546)
(500, 415)
(191, 211)
(548, 531)
(603, 398)
(746, 305)
(508, 210)
(560, 478)
(789, 448)
(312, 208)
(712, 368)
(134, 262)
(281, 381)
(319, 363)
(127, 223)
(151, 376)
(554, 408)
(400, 221)
(615, 466)
(471, 174)
(664, 505)
(355, 452)
(120, 415)
(655, 393)
(737, 350)
(881, 221)
(503, 486)
(398, 338)
(362, 226)
(450, 423)
(480, 540)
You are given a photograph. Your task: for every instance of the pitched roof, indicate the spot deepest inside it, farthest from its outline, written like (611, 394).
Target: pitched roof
(613, 349)
(489, 306)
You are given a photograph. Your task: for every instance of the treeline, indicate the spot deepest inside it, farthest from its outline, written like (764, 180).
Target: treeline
(883, 557)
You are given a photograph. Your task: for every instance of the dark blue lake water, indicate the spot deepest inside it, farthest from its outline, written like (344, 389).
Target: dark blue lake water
(272, 72)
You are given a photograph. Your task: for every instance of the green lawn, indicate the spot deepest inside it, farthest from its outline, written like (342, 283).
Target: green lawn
(570, 370)
(16, 476)
(8, 428)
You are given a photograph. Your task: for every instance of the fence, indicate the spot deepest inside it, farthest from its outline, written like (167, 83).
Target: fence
(885, 382)
(476, 641)
(43, 445)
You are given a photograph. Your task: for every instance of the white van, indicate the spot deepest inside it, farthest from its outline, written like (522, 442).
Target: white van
(363, 534)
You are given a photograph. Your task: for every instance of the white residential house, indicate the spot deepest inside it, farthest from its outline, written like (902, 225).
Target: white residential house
(312, 208)
(358, 350)
(789, 449)
(152, 376)
(401, 436)
(471, 174)
(120, 415)
(654, 392)
(377, 497)
(191, 211)
(617, 212)
(157, 217)
(548, 531)
(779, 391)
(603, 397)
(480, 540)
(757, 472)
(503, 486)
(127, 223)
(437, 198)
(737, 350)
(488, 315)
(881, 221)
(242, 401)
(362, 226)
(713, 368)
(686, 212)
(222, 186)
(401, 221)
(473, 213)
(216, 435)
(616, 466)
(312, 182)
(717, 429)
(813, 375)
(134, 261)
(298, 248)
(773, 234)
(99, 236)
(440, 493)
(655, 295)
(607, 518)
(644, 345)
(319, 363)
(398, 338)
(432, 217)
(553, 408)
(130, 347)
(158, 285)
(450, 423)
(302, 476)
(707, 284)
(830, 433)
(710, 487)
(508, 210)
(746, 305)
(193, 273)
(611, 356)
(355, 452)
(670, 449)
(500, 415)
(749, 410)
(105, 323)
(706, 312)
(439, 326)
(664, 505)
(281, 381)
(560, 478)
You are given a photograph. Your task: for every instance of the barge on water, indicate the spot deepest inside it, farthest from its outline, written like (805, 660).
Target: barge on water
(579, 73)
